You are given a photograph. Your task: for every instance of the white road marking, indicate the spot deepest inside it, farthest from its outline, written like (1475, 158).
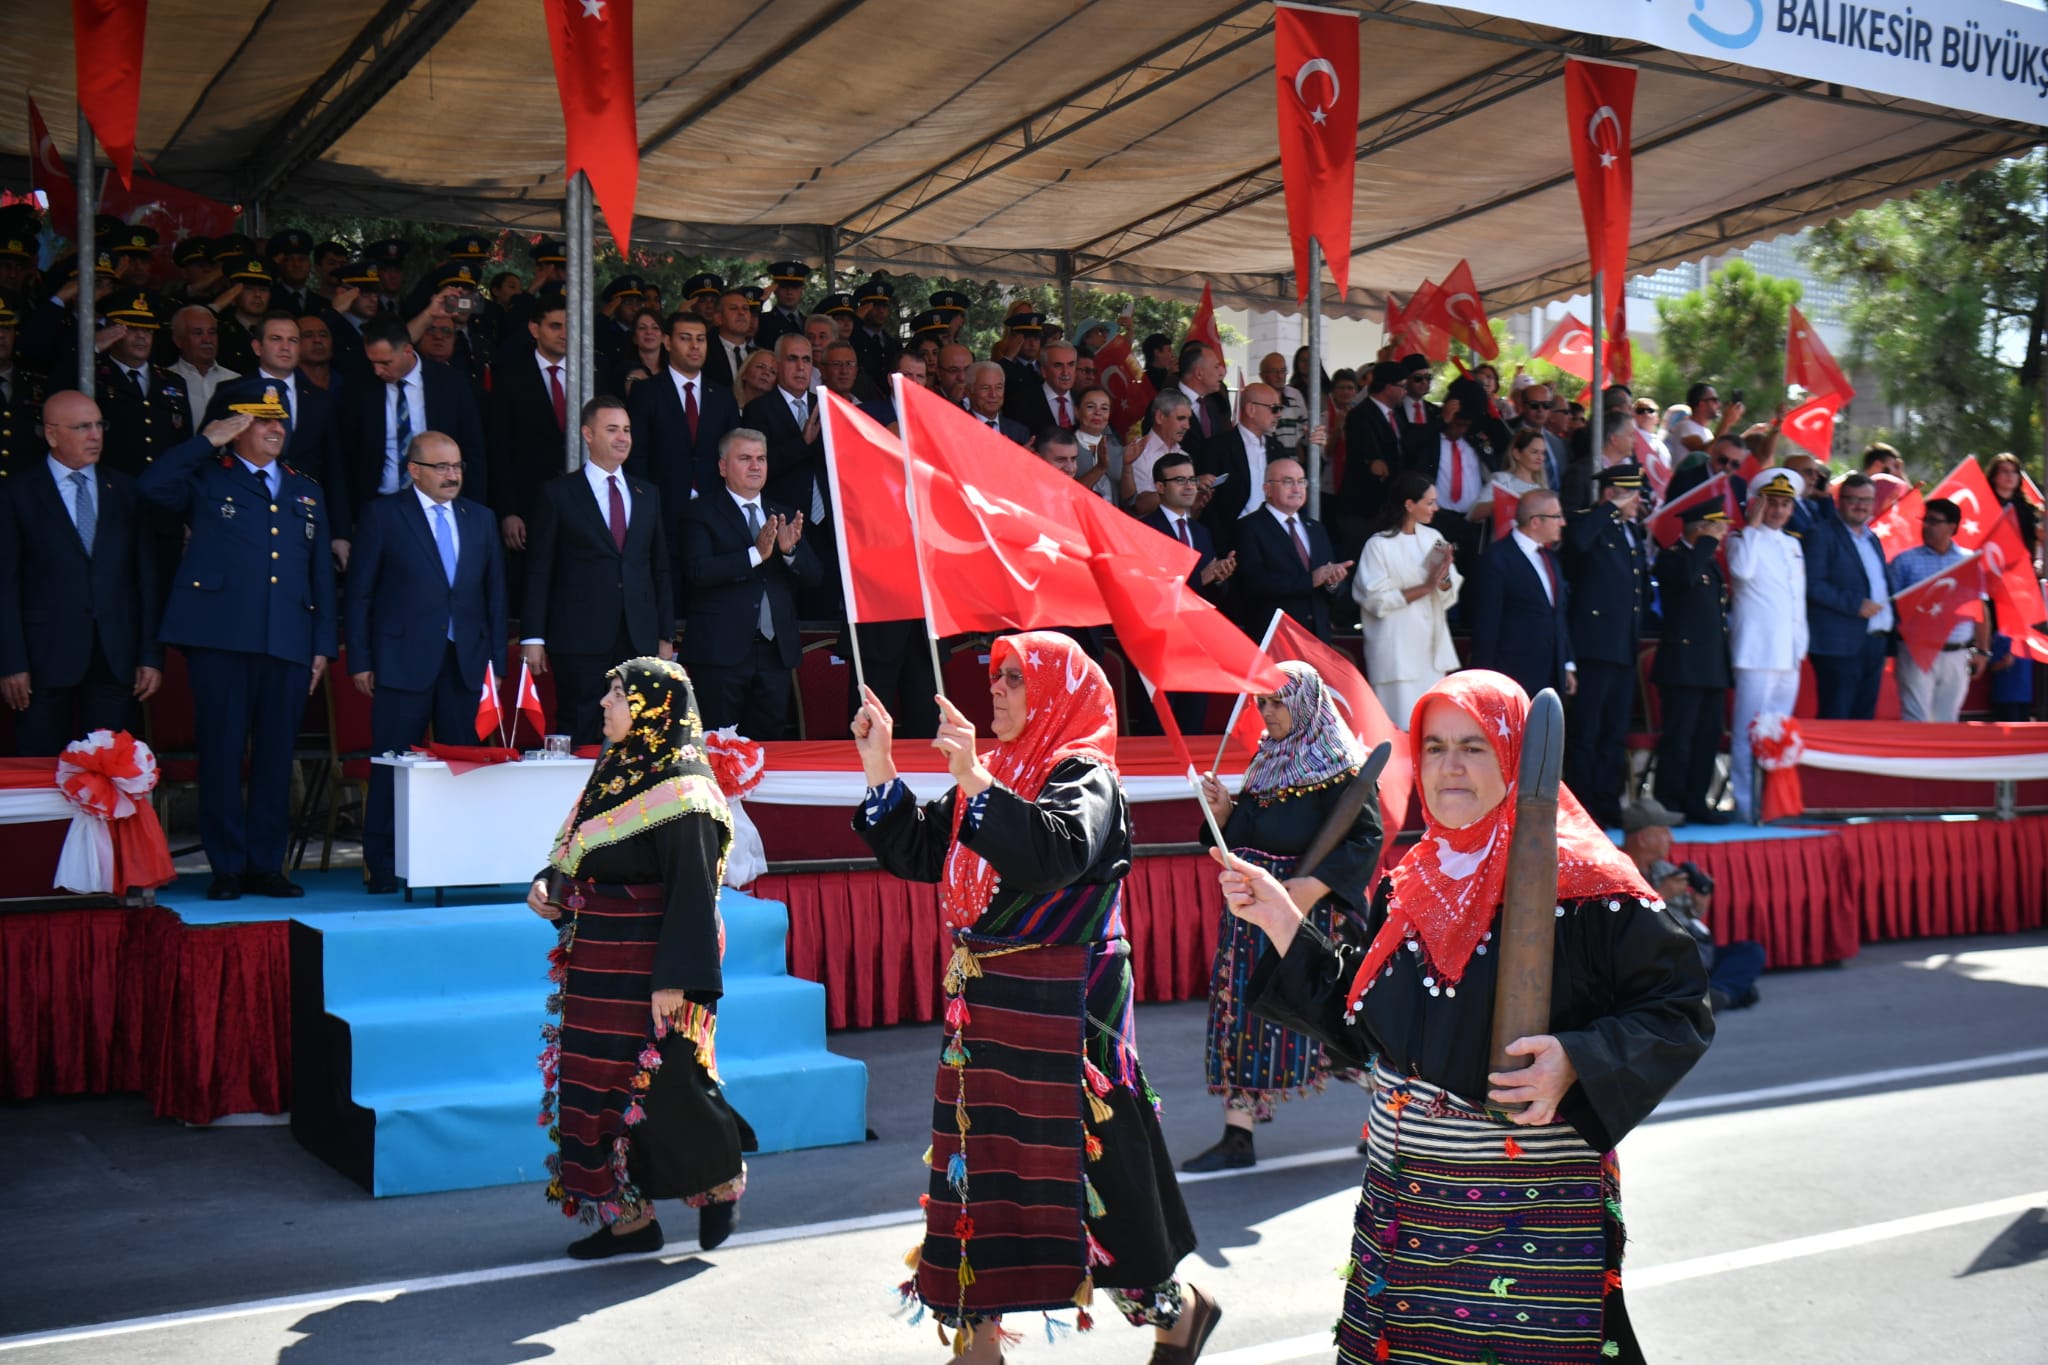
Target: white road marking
(1292, 1348)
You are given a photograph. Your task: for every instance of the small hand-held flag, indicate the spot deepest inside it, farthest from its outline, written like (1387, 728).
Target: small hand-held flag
(1970, 491)
(1315, 62)
(1463, 315)
(1202, 326)
(488, 716)
(592, 42)
(1812, 424)
(528, 704)
(1928, 611)
(1569, 347)
(1809, 365)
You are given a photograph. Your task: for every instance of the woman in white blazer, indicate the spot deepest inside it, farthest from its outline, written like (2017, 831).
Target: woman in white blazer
(1405, 586)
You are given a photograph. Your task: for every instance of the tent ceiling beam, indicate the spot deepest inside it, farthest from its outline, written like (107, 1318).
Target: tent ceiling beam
(389, 46)
(764, 65)
(1178, 57)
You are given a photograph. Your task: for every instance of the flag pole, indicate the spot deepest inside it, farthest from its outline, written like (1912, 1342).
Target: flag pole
(1315, 376)
(87, 306)
(924, 589)
(827, 425)
(1599, 408)
(1265, 642)
(1180, 744)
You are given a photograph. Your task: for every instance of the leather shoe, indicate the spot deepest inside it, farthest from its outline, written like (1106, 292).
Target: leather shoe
(385, 885)
(1709, 817)
(1202, 1314)
(604, 1242)
(715, 1223)
(1233, 1153)
(226, 887)
(273, 884)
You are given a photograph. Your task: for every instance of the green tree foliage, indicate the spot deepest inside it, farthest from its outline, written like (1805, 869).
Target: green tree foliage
(1947, 307)
(1730, 334)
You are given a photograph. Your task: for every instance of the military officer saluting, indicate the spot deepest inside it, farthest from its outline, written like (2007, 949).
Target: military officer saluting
(1607, 565)
(252, 607)
(22, 391)
(875, 339)
(146, 407)
(786, 315)
(1692, 671)
(291, 256)
(700, 295)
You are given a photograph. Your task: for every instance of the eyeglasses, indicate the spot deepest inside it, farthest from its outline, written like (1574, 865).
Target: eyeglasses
(1287, 483)
(1538, 407)
(1269, 407)
(1546, 516)
(458, 466)
(1178, 479)
(79, 426)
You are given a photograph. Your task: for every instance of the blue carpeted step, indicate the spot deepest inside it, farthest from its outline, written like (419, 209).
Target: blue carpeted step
(406, 1045)
(756, 935)
(429, 954)
(799, 1099)
(450, 1138)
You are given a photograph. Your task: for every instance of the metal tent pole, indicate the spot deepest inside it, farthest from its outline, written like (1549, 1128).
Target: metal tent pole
(1597, 417)
(88, 255)
(576, 231)
(1315, 376)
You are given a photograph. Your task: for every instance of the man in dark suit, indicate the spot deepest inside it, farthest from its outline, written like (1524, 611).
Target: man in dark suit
(1520, 604)
(597, 572)
(679, 418)
(746, 558)
(788, 416)
(78, 591)
(786, 313)
(1173, 474)
(1536, 402)
(1372, 452)
(1849, 615)
(1692, 672)
(875, 336)
(1607, 577)
(145, 405)
(253, 609)
(987, 387)
(1201, 380)
(1238, 463)
(1047, 400)
(426, 617)
(1283, 558)
(733, 343)
(526, 417)
(412, 394)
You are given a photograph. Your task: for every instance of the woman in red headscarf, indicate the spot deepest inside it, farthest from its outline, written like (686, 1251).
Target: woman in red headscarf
(1049, 1177)
(1462, 1203)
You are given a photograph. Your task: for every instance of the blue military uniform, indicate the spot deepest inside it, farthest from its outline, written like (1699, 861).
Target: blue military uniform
(21, 409)
(252, 605)
(1692, 672)
(1607, 567)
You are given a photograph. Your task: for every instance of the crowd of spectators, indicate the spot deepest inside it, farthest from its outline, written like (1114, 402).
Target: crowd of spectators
(293, 439)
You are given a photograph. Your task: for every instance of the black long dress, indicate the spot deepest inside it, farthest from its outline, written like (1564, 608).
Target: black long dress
(641, 916)
(1046, 1149)
(1628, 1004)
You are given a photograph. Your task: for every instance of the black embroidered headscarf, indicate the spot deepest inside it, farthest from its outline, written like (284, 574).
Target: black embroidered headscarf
(658, 772)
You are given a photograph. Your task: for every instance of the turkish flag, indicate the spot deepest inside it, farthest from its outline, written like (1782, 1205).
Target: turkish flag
(1504, 505)
(593, 48)
(1422, 325)
(1900, 509)
(48, 173)
(877, 559)
(1599, 105)
(1171, 634)
(1812, 423)
(1315, 60)
(1928, 611)
(1202, 327)
(2033, 493)
(1970, 491)
(488, 716)
(106, 39)
(1396, 315)
(1130, 391)
(2010, 571)
(1667, 524)
(528, 704)
(1569, 347)
(1464, 316)
(996, 534)
(1808, 364)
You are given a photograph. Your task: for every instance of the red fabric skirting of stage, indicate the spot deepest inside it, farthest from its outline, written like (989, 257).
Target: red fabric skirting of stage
(196, 1018)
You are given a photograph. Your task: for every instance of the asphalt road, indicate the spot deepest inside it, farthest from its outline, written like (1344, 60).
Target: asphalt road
(1852, 1175)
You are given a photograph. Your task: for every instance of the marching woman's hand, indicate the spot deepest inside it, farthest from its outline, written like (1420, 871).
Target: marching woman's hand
(667, 1008)
(1540, 1085)
(537, 901)
(874, 732)
(1255, 896)
(956, 740)
(1217, 798)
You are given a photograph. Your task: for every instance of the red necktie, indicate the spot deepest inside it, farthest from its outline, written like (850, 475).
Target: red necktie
(618, 518)
(1300, 545)
(1415, 411)
(690, 406)
(1550, 567)
(1457, 472)
(1066, 418)
(561, 399)
(1202, 412)
(1180, 527)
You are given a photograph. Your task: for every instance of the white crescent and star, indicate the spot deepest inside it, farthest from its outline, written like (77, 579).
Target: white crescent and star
(1451, 307)
(1317, 113)
(1576, 343)
(593, 9)
(1604, 114)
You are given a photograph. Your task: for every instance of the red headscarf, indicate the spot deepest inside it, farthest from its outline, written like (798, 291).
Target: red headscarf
(1447, 887)
(1069, 713)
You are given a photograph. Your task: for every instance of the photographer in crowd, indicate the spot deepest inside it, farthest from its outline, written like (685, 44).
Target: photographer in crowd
(1732, 968)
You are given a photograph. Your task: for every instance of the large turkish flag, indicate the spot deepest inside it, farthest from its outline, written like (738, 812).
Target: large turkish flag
(593, 47)
(1600, 110)
(1315, 55)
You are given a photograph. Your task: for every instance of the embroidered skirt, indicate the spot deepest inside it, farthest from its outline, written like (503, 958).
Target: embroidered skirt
(1478, 1240)
(1245, 1056)
(1049, 1175)
(634, 1117)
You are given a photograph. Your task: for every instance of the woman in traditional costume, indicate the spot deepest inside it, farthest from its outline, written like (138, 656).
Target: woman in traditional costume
(1049, 1177)
(633, 1099)
(1295, 781)
(1480, 1236)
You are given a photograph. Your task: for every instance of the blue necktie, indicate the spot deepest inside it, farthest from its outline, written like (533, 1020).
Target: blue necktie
(81, 503)
(444, 536)
(401, 436)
